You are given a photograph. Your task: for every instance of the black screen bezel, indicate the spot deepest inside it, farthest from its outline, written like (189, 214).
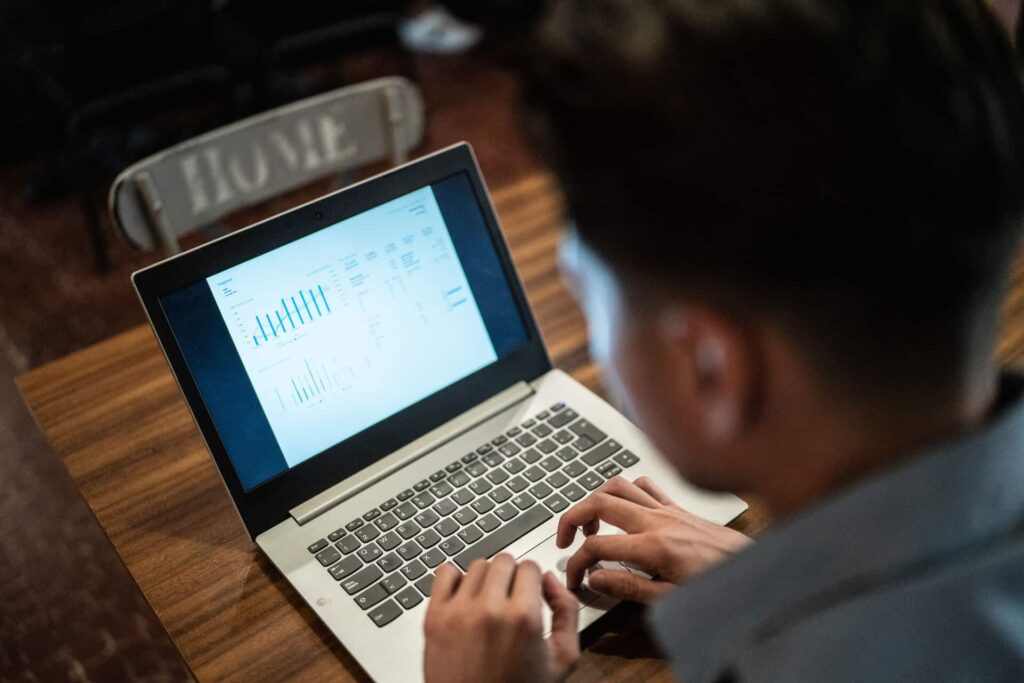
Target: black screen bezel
(269, 503)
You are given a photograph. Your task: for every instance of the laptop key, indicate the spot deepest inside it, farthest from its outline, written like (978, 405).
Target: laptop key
(583, 427)
(506, 512)
(470, 535)
(445, 507)
(504, 536)
(523, 501)
(405, 495)
(388, 504)
(317, 546)
(423, 499)
(583, 443)
(551, 463)
(409, 550)
(547, 446)
(413, 570)
(425, 584)
(556, 503)
(389, 541)
(573, 492)
(336, 535)
(420, 485)
(432, 558)
(469, 457)
(440, 490)
(543, 415)
(409, 598)
(465, 516)
(463, 496)
(602, 452)
(368, 533)
(386, 522)
(486, 448)
(345, 567)
(369, 553)
(574, 469)
(541, 430)
(451, 546)
(446, 527)
(500, 439)
(480, 486)
(347, 544)
(530, 456)
(492, 459)
(427, 518)
(361, 579)
(482, 505)
(590, 481)
(515, 431)
(438, 476)
(453, 467)
(459, 479)
(534, 473)
(354, 524)
(626, 459)
(476, 469)
(567, 453)
(557, 406)
(509, 449)
(514, 466)
(564, 436)
(328, 556)
(529, 423)
(496, 476)
(385, 613)
(390, 562)
(500, 494)
(540, 490)
(557, 480)
(488, 523)
(612, 471)
(516, 484)
(371, 596)
(563, 418)
(405, 511)
(371, 515)
(428, 538)
(408, 529)
(526, 440)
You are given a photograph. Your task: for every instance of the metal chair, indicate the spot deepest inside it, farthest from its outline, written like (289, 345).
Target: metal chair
(194, 184)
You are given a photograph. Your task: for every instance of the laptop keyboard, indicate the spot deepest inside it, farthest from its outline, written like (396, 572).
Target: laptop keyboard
(473, 508)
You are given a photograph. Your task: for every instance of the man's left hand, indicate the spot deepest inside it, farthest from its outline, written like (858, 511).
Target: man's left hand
(488, 626)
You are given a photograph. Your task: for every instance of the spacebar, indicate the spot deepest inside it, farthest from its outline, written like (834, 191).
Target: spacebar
(505, 536)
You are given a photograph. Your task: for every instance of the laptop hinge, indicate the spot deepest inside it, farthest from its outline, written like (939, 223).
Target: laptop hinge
(322, 502)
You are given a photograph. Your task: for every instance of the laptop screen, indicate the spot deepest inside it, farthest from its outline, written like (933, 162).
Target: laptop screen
(309, 344)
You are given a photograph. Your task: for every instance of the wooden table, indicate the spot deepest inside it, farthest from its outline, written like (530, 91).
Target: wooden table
(113, 414)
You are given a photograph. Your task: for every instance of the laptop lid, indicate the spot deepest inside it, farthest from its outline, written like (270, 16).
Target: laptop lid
(314, 343)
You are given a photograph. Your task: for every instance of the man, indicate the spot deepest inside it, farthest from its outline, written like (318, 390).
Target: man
(796, 220)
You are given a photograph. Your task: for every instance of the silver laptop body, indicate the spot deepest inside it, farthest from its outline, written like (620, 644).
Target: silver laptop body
(484, 464)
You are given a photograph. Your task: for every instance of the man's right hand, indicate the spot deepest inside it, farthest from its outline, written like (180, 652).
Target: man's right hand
(665, 540)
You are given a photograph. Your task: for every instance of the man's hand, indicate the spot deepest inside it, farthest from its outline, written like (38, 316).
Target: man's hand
(662, 538)
(487, 625)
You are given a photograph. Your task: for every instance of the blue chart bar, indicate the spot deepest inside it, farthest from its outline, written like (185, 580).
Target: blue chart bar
(298, 309)
(312, 383)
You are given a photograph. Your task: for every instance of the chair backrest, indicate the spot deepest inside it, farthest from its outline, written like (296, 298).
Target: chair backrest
(197, 182)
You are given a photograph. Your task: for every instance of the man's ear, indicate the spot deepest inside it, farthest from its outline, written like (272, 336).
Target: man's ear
(714, 359)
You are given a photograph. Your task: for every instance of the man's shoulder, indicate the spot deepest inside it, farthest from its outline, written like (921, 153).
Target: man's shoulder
(961, 616)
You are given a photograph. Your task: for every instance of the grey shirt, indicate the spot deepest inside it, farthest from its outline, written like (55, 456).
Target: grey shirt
(915, 574)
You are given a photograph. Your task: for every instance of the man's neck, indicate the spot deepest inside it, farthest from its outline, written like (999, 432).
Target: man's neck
(851, 443)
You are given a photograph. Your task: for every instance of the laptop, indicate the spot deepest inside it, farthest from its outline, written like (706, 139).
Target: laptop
(371, 383)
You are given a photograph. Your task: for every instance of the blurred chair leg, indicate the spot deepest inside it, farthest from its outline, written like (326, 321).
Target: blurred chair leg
(90, 213)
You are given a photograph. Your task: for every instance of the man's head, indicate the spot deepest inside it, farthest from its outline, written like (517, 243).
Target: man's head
(782, 204)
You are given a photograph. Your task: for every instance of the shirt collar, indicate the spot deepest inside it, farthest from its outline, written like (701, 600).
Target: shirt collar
(924, 508)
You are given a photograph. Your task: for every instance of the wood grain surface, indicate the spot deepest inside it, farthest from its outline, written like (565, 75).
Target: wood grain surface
(113, 414)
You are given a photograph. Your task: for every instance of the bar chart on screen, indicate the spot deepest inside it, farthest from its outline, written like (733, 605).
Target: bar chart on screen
(296, 309)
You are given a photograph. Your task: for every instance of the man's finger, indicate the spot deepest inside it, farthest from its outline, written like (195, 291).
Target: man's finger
(563, 642)
(602, 506)
(498, 581)
(617, 486)
(622, 585)
(526, 588)
(446, 581)
(648, 486)
(473, 581)
(633, 548)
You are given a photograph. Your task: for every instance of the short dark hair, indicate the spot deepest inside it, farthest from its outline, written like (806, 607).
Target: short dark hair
(856, 166)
